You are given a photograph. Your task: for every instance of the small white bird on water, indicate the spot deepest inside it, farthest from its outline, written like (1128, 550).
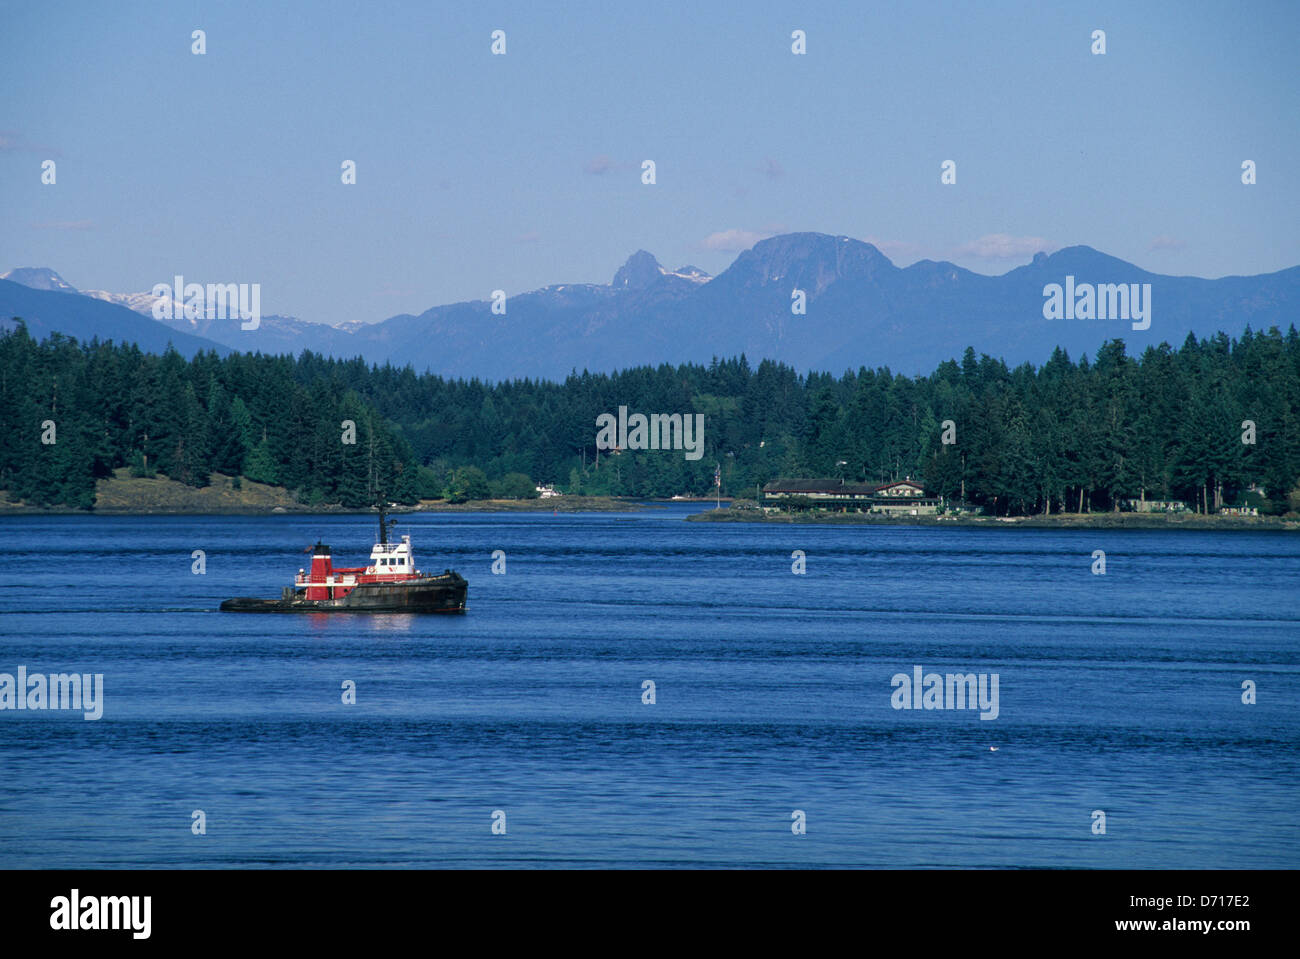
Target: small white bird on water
(993, 749)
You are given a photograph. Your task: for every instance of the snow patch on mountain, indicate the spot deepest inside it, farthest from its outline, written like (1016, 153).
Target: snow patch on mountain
(141, 303)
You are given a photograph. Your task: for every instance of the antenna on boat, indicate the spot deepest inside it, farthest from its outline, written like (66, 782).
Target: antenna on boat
(384, 522)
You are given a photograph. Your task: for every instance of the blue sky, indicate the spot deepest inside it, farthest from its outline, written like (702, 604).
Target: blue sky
(477, 172)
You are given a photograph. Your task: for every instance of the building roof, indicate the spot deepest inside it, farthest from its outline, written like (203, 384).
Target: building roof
(834, 486)
(818, 486)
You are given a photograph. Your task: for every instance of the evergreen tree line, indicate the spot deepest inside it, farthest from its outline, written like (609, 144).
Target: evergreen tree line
(72, 414)
(1067, 435)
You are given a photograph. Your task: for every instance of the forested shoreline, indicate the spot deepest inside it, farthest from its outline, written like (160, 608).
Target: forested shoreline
(1068, 435)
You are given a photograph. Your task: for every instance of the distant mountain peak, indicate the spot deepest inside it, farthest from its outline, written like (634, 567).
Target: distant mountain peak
(39, 278)
(640, 270)
(43, 278)
(1086, 259)
(692, 273)
(811, 261)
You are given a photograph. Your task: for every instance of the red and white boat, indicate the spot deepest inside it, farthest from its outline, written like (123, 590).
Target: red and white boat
(389, 584)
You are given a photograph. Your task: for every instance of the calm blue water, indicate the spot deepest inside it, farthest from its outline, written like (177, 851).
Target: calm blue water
(1119, 692)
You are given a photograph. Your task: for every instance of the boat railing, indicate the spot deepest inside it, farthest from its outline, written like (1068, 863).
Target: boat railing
(337, 577)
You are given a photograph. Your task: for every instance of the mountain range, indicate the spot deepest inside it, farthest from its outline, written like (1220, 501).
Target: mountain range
(860, 310)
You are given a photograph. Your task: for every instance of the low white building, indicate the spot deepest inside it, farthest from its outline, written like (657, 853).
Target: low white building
(1156, 505)
(900, 498)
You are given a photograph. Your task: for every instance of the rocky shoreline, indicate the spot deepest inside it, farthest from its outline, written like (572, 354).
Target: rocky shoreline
(1191, 521)
(124, 495)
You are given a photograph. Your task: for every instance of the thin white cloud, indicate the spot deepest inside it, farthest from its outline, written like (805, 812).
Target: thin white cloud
(733, 240)
(1003, 246)
(1165, 242)
(12, 142)
(64, 225)
(896, 249)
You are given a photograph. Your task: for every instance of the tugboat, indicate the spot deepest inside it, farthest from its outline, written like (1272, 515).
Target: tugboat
(390, 584)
